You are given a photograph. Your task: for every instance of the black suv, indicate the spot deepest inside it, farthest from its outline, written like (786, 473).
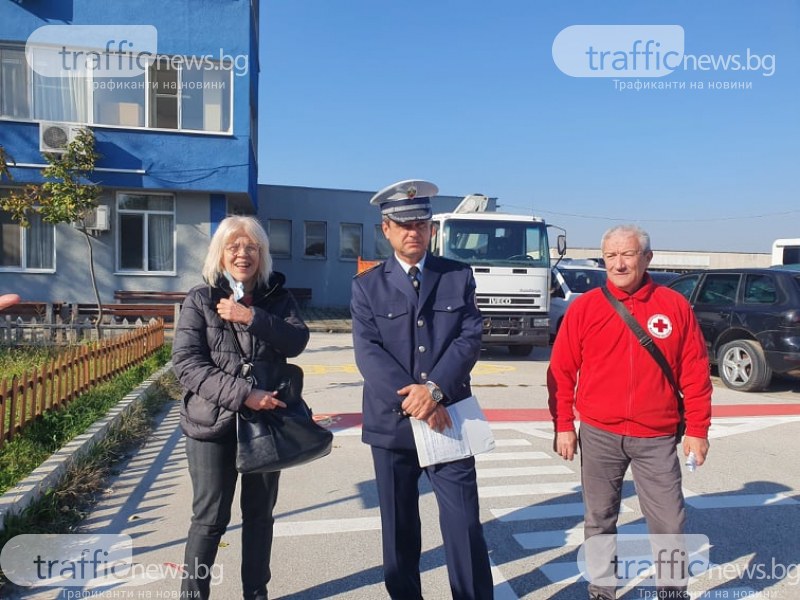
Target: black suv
(750, 319)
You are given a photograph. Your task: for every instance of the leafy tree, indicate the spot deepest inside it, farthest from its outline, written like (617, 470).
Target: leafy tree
(67, 195)
(4, 158)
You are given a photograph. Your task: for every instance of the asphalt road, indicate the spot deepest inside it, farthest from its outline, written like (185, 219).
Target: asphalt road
(746, 499)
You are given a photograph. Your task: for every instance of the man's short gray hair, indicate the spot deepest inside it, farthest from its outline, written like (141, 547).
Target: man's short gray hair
(628, 229)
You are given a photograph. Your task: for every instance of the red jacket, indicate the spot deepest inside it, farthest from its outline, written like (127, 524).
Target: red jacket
(621, 388)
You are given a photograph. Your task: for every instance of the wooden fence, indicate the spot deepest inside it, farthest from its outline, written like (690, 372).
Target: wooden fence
(54, 385)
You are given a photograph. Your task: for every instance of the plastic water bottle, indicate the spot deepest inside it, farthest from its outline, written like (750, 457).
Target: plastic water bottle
(691, 462)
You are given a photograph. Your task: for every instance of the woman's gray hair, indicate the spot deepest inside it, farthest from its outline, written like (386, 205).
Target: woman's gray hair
(229, 229)
(644, 237)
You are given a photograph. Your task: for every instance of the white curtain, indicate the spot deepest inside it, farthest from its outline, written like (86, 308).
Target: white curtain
(14, 84)
(63, 98)
(160, 255)
(39, 244)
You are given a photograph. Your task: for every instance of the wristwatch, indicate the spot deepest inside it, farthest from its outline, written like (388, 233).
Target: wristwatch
(435, 390)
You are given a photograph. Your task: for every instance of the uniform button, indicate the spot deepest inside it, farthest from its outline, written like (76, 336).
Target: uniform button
(389, 315)
(420, 323)
(423, 376)
(449, 308)
(421, 348)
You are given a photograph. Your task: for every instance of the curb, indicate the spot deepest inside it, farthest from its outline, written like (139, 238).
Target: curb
(53, 469)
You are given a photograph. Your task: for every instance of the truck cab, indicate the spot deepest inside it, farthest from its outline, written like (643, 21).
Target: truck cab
(510, 257)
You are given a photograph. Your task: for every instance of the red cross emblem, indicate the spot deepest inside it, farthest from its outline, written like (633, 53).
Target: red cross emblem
(659, 326)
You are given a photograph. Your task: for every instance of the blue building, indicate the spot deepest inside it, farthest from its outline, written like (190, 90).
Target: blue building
(170, 91)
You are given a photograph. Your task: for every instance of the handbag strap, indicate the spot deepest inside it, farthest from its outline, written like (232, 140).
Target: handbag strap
(236, 341)
(646, 342)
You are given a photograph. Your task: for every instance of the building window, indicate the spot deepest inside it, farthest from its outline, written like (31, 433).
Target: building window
(164, 82)
(315, 239)
(27, 248)
(350, 240)
(180, 92)
(383, 249)
(191, 97)
(146, 225)
(119, 100)
(14, 88)
(205, 98)
(280, 238)
(61, 97)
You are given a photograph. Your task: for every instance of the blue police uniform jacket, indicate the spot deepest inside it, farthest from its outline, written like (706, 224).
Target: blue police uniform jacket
(400, 339)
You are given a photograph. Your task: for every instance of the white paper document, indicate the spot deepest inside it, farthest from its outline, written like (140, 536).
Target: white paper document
(470, 434)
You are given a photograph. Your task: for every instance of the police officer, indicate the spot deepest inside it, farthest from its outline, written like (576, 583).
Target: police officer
(417, 335)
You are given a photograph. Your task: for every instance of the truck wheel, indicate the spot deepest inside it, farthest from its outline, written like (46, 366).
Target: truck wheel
(520, 350)
(742, 366)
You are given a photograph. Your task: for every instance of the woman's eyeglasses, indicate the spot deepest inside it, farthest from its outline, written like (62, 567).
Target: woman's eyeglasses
(234, 249)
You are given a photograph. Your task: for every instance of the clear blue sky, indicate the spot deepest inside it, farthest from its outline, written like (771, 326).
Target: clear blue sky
(357, 94)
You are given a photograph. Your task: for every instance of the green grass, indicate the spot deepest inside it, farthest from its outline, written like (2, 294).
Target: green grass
(55, 428)
(16, 359)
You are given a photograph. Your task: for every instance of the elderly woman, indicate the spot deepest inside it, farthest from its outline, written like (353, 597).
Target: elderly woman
(243, 295)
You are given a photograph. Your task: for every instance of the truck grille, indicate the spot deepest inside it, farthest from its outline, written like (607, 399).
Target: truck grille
(505, 302)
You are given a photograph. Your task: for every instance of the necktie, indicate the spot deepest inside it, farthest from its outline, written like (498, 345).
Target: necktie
(413, 273)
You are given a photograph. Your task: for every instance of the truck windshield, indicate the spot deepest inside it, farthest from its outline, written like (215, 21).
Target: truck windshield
(502, 243)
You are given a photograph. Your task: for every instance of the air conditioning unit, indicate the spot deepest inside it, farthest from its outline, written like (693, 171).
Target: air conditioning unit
(98, 218)
(54, 137)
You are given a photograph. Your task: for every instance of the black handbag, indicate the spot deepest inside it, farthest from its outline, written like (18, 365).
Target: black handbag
(277, 439)
(646, 342)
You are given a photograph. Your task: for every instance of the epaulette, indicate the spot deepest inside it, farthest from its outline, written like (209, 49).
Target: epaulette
(368, 269)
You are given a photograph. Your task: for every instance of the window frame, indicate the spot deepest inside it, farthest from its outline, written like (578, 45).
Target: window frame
(27, 83)
(707, 295)
(360, 250)
(749, 298)
(272, 251)
(23, 248)
(381, 242)
(324, 255)
(145, 256)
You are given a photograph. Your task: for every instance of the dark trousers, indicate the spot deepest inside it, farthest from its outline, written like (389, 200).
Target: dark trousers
(397, 474)
(211, 467)
(605, 458)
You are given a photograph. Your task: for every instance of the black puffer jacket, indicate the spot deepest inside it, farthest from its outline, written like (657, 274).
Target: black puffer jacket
(206, 361)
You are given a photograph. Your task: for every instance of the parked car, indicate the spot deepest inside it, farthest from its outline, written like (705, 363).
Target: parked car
(570, 278)
(663, 277)
(750, 320)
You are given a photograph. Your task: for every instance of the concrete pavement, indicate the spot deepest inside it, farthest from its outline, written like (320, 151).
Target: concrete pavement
(327, 533)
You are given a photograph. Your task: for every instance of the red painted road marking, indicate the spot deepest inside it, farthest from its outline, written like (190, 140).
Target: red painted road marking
(754, 410)
(514, 415)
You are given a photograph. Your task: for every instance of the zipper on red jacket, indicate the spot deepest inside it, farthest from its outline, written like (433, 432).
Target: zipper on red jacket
(631, 382)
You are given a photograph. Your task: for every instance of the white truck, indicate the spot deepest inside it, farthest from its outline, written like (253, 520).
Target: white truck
(786, 251)
(510, 256)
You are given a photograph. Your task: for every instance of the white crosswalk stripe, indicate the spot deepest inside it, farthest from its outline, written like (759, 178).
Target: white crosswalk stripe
(498, 456)
(484, 473)
(532, 499)
(531, 533)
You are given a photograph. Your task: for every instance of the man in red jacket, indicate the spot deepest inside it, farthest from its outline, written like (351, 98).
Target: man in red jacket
(628, 410)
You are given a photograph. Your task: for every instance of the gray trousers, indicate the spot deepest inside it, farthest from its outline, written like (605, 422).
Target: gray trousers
(605, 458)
(211, 467)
